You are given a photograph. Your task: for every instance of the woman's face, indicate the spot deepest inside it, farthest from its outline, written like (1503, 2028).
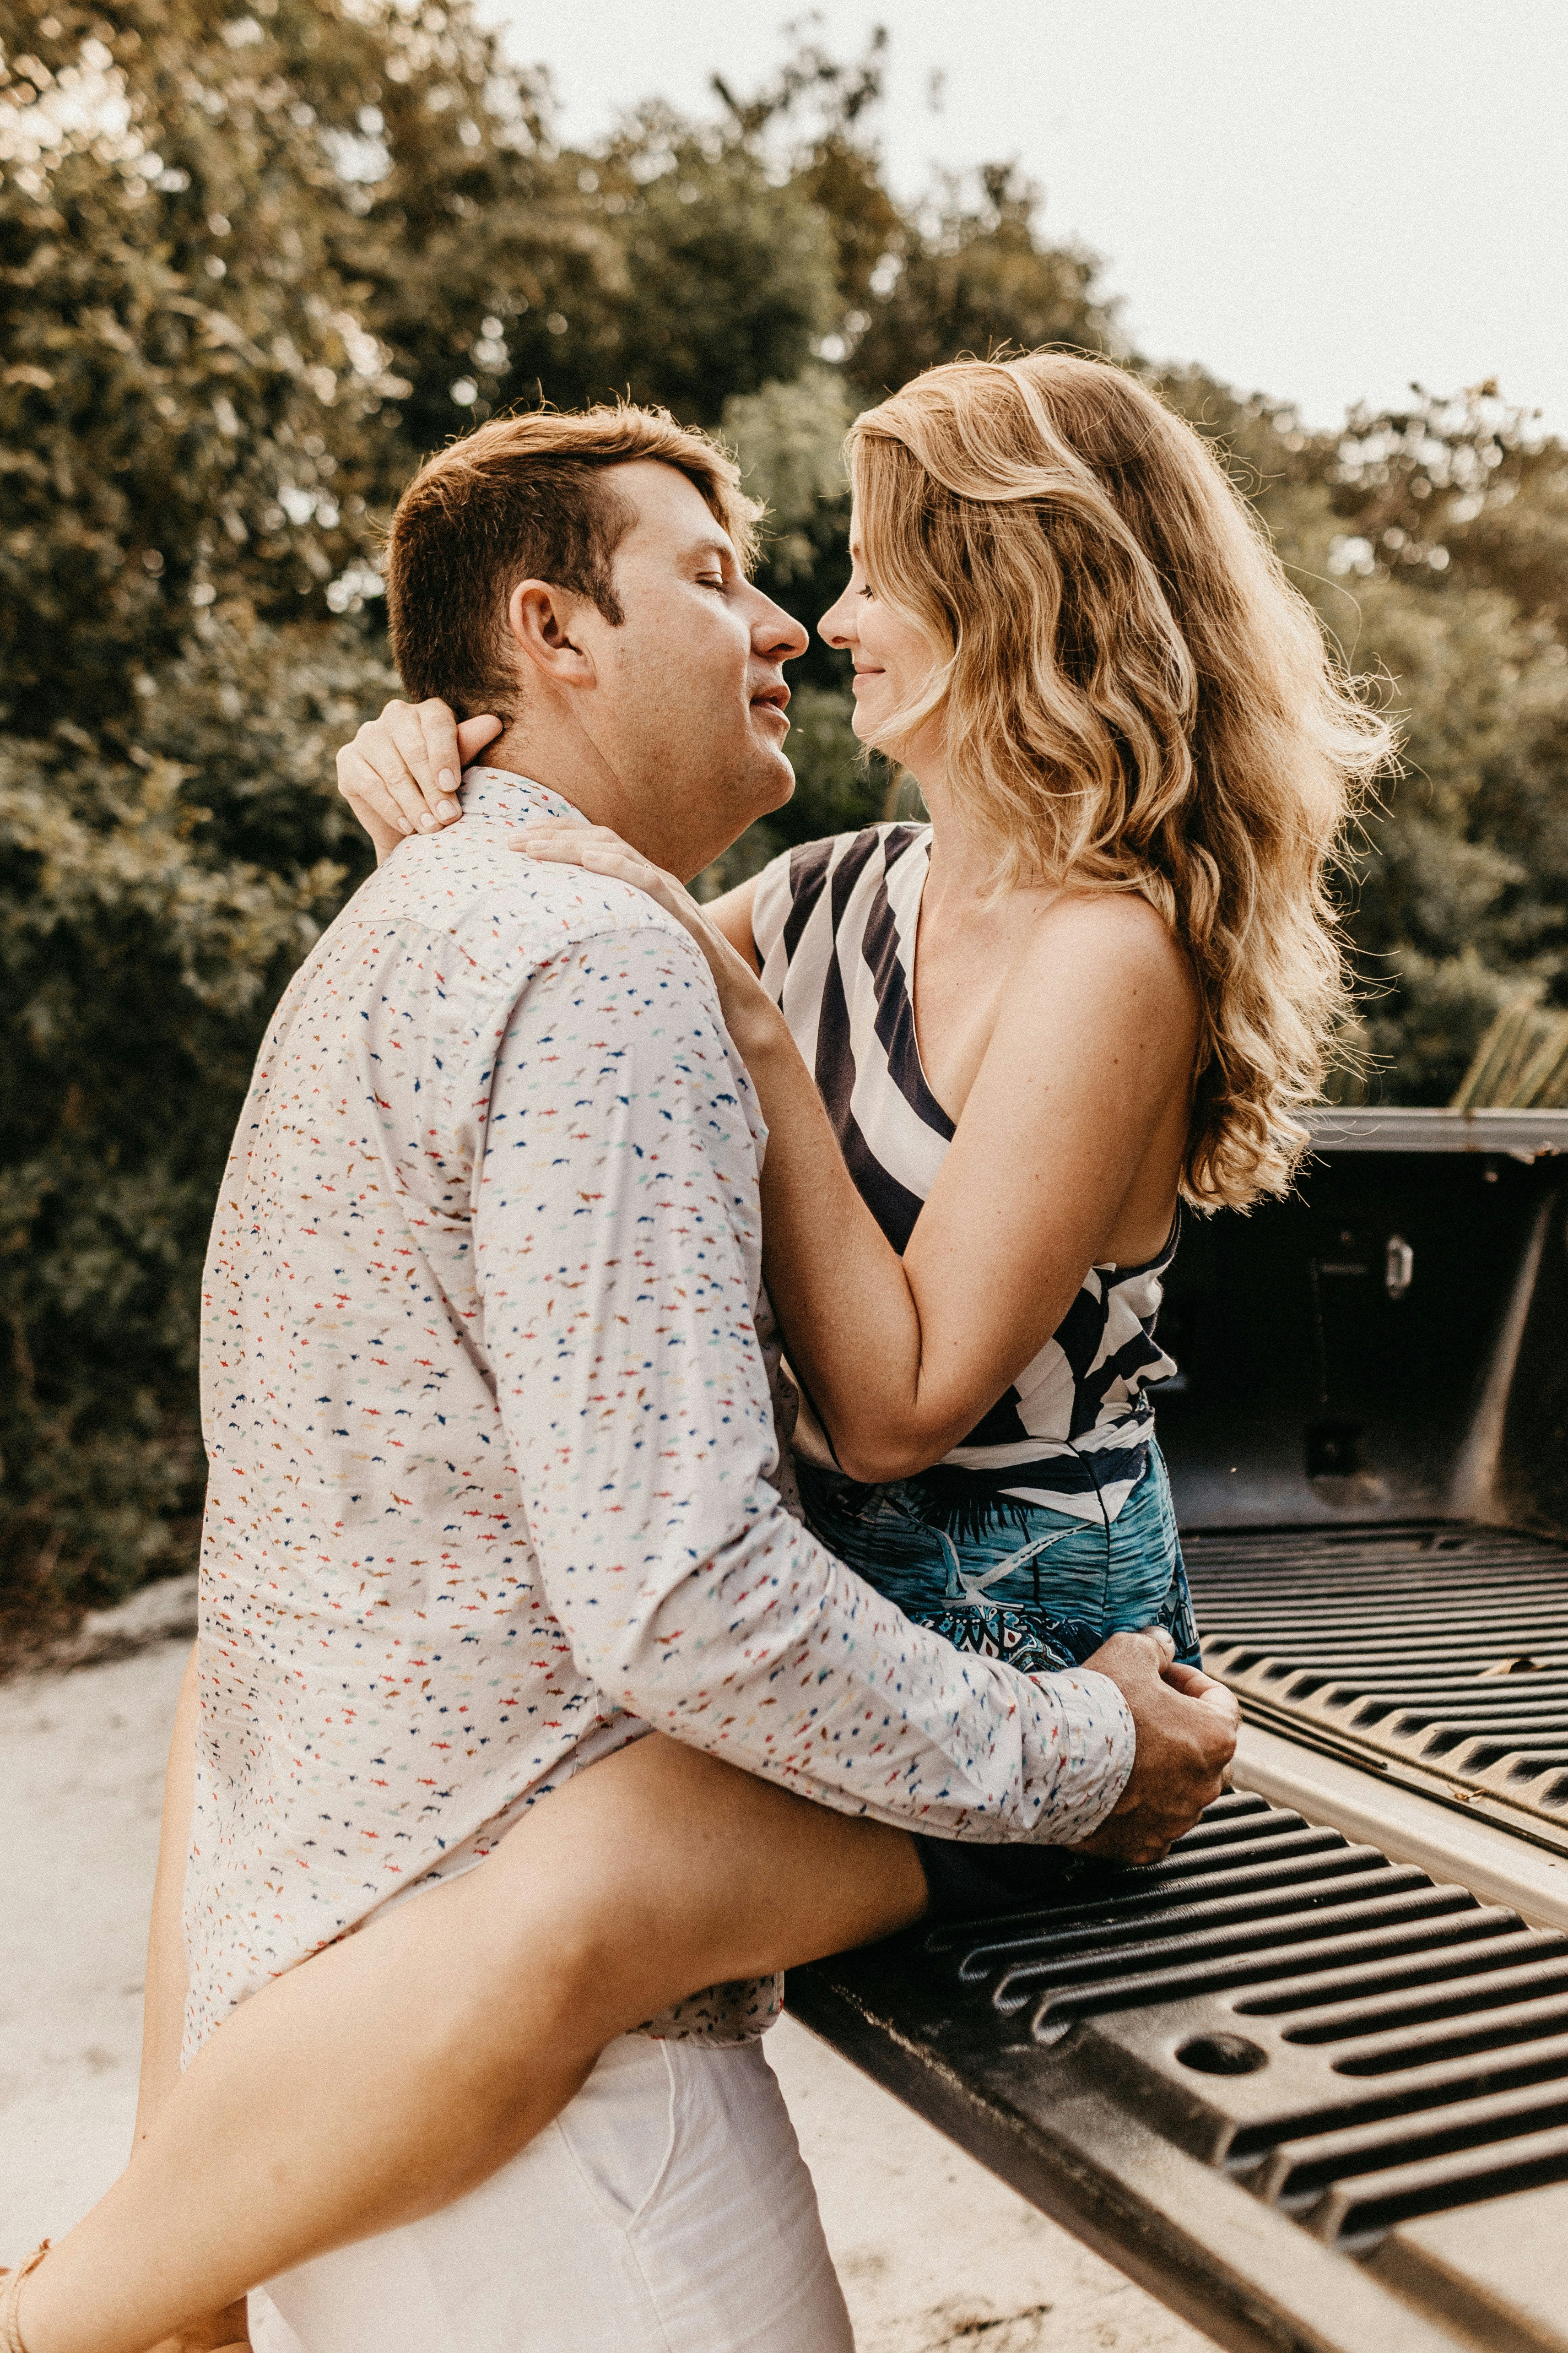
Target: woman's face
(892, 659)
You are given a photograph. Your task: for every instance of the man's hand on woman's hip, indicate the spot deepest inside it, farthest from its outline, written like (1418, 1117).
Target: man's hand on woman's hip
(1186, 1726)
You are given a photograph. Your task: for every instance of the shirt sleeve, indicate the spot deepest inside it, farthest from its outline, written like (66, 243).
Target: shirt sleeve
(616, 1229)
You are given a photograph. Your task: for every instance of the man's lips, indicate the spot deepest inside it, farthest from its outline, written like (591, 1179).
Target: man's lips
(774, 699)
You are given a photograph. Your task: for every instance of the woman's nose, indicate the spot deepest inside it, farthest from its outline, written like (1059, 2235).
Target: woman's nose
(833, 628)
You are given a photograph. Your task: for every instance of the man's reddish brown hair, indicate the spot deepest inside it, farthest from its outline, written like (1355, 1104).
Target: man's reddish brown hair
(528, 497)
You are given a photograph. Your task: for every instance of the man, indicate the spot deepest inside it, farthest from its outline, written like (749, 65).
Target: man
(489, 1427)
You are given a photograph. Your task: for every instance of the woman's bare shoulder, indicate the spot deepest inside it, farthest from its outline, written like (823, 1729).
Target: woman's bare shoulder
(1107, 944)
(1100, 921)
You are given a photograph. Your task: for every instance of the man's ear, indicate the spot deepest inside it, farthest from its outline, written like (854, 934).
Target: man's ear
(542, 620)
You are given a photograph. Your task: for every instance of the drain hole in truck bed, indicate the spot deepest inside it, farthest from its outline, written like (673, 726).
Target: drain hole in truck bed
(1222, 2054)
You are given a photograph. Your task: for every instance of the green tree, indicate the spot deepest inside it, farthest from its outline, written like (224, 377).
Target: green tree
(970, 270)
(184, 394)
(973, 273)
(257, 258)
(182, 381)
(1432, 542)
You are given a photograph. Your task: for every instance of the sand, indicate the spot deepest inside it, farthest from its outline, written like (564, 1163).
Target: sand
(934, 2252)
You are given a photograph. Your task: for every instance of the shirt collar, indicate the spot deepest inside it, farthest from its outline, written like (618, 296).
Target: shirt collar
(502, 793)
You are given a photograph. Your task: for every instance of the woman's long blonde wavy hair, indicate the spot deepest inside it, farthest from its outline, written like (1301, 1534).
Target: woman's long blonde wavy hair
(1133, 697)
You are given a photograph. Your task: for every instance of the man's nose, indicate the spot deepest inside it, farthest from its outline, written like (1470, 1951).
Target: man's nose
(777, 635)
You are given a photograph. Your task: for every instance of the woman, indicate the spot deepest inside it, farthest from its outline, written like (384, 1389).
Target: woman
(996, 1055)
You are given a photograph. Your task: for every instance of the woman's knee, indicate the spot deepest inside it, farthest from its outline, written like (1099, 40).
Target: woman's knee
(555, 1941)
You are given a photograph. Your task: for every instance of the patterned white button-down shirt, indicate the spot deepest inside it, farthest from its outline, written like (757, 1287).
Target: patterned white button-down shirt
(491, 1443)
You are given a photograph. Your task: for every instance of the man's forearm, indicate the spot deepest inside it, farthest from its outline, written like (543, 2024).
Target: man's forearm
(775, 1656)
(163, 2004)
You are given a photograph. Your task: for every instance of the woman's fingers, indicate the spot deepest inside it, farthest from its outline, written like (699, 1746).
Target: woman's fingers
(596, 846)
(600, 851)
(433, 755)
(436, 749)
(405, 766)
(603, 852)
(424, 736)
(575, 842)
(372, 769)
(473, 734)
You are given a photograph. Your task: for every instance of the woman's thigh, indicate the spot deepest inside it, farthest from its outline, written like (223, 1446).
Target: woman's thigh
(669, 2206)
(668, 1871)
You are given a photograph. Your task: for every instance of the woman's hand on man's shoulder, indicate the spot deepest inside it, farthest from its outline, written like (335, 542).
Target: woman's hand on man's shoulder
(401, 773)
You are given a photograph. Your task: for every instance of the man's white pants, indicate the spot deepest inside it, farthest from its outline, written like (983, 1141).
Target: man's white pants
(668, 2210)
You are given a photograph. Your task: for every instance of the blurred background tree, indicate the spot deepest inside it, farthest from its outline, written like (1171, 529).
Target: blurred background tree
(258, 257)
(1434, 543)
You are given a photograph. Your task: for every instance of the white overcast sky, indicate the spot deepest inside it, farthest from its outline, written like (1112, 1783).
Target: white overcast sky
(1321, 200)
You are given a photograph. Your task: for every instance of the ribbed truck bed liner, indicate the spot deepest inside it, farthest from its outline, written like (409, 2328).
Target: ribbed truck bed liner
(1268, 2079)
(1312, 2095)
(1437, 1653)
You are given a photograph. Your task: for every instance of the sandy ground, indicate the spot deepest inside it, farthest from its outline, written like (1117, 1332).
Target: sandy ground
(933, 2251)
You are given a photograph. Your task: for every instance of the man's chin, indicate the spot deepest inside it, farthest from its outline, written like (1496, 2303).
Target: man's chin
(767, 786)
(766, 789)
(784, 790)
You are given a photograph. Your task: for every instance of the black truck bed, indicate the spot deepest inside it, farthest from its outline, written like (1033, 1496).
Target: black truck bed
(1307, 2080)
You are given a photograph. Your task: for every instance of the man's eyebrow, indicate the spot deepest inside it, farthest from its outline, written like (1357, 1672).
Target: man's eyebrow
(716, 545)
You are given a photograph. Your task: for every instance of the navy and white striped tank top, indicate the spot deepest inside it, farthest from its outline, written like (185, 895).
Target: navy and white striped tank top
(834, 927)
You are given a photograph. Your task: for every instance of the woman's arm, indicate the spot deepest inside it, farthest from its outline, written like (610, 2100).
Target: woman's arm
(1087, 1071)
(732, 914)
(1088, 1067)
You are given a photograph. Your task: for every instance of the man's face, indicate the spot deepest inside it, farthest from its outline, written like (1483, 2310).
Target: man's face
(688, 710)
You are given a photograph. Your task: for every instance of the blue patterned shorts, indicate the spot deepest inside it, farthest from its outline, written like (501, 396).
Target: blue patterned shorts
(1011, 1581)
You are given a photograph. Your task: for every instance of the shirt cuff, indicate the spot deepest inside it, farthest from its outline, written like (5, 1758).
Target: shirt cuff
(1100, 1741)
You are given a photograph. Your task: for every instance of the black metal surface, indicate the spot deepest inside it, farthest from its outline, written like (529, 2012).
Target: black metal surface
(1385, 1346)
(1348, 2042)
(1380, 2046)
(1442, 1648)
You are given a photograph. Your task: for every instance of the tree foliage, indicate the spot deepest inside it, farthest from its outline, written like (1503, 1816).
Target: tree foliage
(1434, 543)
(258, 257)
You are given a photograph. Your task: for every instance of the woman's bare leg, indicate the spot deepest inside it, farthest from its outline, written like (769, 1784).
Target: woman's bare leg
(403, 2065)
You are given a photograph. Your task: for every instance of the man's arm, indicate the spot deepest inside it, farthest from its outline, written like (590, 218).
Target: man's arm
(617, 1249)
